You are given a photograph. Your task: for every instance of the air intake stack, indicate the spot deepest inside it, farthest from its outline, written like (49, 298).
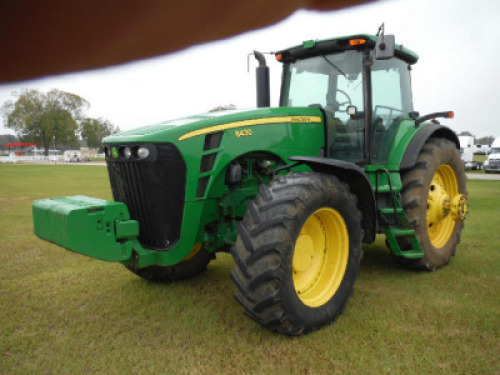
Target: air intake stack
(262, 73)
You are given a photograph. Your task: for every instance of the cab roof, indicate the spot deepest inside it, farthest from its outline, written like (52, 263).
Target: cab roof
(311, 48)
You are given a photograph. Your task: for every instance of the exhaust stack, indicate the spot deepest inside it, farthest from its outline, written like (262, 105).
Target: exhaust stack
(262, 75)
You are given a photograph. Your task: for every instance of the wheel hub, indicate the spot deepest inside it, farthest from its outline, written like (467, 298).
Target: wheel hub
(439, 203)
(459, 207)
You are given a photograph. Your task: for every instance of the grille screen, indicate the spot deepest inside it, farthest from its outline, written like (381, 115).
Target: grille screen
(153, 190)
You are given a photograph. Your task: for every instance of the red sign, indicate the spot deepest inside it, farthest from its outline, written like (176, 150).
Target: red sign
(18, 144)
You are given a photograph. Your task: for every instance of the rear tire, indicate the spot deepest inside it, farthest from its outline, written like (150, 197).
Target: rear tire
(438, 162)
(194, 264)
(297, 254)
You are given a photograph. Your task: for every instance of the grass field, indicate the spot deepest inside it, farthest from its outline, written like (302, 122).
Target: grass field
(480, 158)
(62, 313)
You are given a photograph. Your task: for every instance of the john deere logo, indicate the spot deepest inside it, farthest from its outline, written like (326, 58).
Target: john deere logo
(114, 152)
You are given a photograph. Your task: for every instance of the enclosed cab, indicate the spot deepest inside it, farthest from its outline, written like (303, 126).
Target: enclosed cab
(364, 104)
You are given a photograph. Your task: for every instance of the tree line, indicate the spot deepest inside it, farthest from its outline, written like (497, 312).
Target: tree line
(54, 119)
(486, 140)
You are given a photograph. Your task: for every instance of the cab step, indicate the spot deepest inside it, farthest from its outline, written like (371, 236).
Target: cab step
(390, 210)
(393, 220)
(392, 233)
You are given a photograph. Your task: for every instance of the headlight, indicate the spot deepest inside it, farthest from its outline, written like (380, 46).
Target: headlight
(142, 152)
(127, 152)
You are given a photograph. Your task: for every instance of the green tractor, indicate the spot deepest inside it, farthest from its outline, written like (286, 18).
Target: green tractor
(291, 192)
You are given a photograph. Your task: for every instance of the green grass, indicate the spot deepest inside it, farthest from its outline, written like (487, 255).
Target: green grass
(97, 158)
(64, 313)
(480, 158)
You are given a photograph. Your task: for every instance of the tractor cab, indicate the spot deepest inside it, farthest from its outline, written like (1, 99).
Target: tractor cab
(363, 95)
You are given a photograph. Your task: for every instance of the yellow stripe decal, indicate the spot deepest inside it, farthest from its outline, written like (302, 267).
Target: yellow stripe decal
(260, 121)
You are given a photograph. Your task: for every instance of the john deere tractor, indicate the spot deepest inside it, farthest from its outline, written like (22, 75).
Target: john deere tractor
(291, 192)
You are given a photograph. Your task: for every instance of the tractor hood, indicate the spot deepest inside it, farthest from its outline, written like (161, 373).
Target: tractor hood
(175, 130)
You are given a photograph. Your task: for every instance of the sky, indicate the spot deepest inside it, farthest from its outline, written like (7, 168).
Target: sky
(457, 41)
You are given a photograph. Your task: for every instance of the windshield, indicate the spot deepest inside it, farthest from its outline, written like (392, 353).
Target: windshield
(495, 150)
(333, 81)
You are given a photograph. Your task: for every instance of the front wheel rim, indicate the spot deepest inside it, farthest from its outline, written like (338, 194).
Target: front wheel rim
(320, 257)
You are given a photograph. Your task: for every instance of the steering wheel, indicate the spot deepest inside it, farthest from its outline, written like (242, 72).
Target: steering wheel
(349, 102)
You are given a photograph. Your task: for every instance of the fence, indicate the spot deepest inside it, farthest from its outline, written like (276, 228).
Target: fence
(36, 158)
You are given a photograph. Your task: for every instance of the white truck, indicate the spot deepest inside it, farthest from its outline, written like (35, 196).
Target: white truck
(467, 152)
(492, 163)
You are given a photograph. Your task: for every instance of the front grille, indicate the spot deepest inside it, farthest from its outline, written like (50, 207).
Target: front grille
(153, 190)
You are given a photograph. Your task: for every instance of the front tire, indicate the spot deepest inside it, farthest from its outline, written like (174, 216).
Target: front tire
(297, 254)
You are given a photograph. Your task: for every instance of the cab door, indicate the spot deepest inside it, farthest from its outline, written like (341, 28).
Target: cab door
(391, 103)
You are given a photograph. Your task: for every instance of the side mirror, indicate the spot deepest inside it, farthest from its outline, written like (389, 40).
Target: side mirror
(385, 46)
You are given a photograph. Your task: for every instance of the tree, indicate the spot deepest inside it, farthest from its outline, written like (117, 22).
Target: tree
(487, 140)
(45, 119)
(7, 138)
(466, 133)
(94, 130)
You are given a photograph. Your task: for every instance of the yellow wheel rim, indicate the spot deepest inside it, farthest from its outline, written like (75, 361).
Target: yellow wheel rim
(443, 188)
(320, 257)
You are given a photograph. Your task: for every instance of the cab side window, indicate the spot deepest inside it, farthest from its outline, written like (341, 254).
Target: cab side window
(391, 101)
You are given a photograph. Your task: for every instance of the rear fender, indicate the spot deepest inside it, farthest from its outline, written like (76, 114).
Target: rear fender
(418, 140)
